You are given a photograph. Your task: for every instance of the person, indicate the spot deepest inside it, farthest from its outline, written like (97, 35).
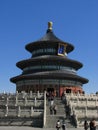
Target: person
(58, 125)
(94, 124)
(51, 109)
(55, 109)
(85, 125)
(62, 96)
(47, 95)
(63, 125)
(51, 100)
(91, 125)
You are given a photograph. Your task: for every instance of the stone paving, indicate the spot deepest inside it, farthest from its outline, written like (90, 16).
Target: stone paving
(32, 128)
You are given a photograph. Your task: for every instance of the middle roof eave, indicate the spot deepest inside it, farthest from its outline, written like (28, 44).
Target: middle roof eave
(48, 58)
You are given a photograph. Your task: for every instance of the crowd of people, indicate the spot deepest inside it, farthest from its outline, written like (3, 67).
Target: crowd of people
(91, 125)
(60, 125)
(53, 111)
(52, 106)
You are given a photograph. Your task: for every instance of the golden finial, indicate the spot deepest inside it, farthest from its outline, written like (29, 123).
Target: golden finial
(50, 25)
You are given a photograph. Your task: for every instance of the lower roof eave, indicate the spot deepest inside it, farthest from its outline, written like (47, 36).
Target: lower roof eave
(60, 77)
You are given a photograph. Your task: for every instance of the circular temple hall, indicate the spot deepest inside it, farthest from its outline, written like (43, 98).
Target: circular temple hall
(49, 67)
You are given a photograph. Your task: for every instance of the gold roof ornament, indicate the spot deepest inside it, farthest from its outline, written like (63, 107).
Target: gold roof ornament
(50, 25)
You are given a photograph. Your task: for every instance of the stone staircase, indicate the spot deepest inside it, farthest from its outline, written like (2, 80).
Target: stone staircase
(31, 109)
(51, 119)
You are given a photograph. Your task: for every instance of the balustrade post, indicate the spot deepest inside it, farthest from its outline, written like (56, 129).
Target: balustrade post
(35, 101)
(7, 100)
(16, 93)
(6, 112)
(25, 101)
(37, 93)
(16, 100)
(86, 101)
(23, 94)
(86, 111)
(30, 94)
(31, 111)
(77, 101)
(19, 111)
(96, 102)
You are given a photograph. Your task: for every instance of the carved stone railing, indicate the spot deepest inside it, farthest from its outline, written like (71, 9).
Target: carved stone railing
(20, 103)
(82, 107)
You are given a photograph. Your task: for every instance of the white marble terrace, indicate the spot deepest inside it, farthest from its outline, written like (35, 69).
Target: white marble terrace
(83, 107)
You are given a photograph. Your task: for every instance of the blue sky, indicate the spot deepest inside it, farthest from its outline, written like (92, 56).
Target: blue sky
(23, 21)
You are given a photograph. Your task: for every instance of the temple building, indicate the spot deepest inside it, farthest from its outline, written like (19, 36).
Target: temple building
(49, 68)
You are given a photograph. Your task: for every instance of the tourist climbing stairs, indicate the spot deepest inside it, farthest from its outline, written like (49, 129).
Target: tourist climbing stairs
(51, 119)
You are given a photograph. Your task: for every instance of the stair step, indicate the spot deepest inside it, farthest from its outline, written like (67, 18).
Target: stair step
(61, 114)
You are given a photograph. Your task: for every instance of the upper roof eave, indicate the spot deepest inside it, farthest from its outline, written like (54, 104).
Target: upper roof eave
(49, 38)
